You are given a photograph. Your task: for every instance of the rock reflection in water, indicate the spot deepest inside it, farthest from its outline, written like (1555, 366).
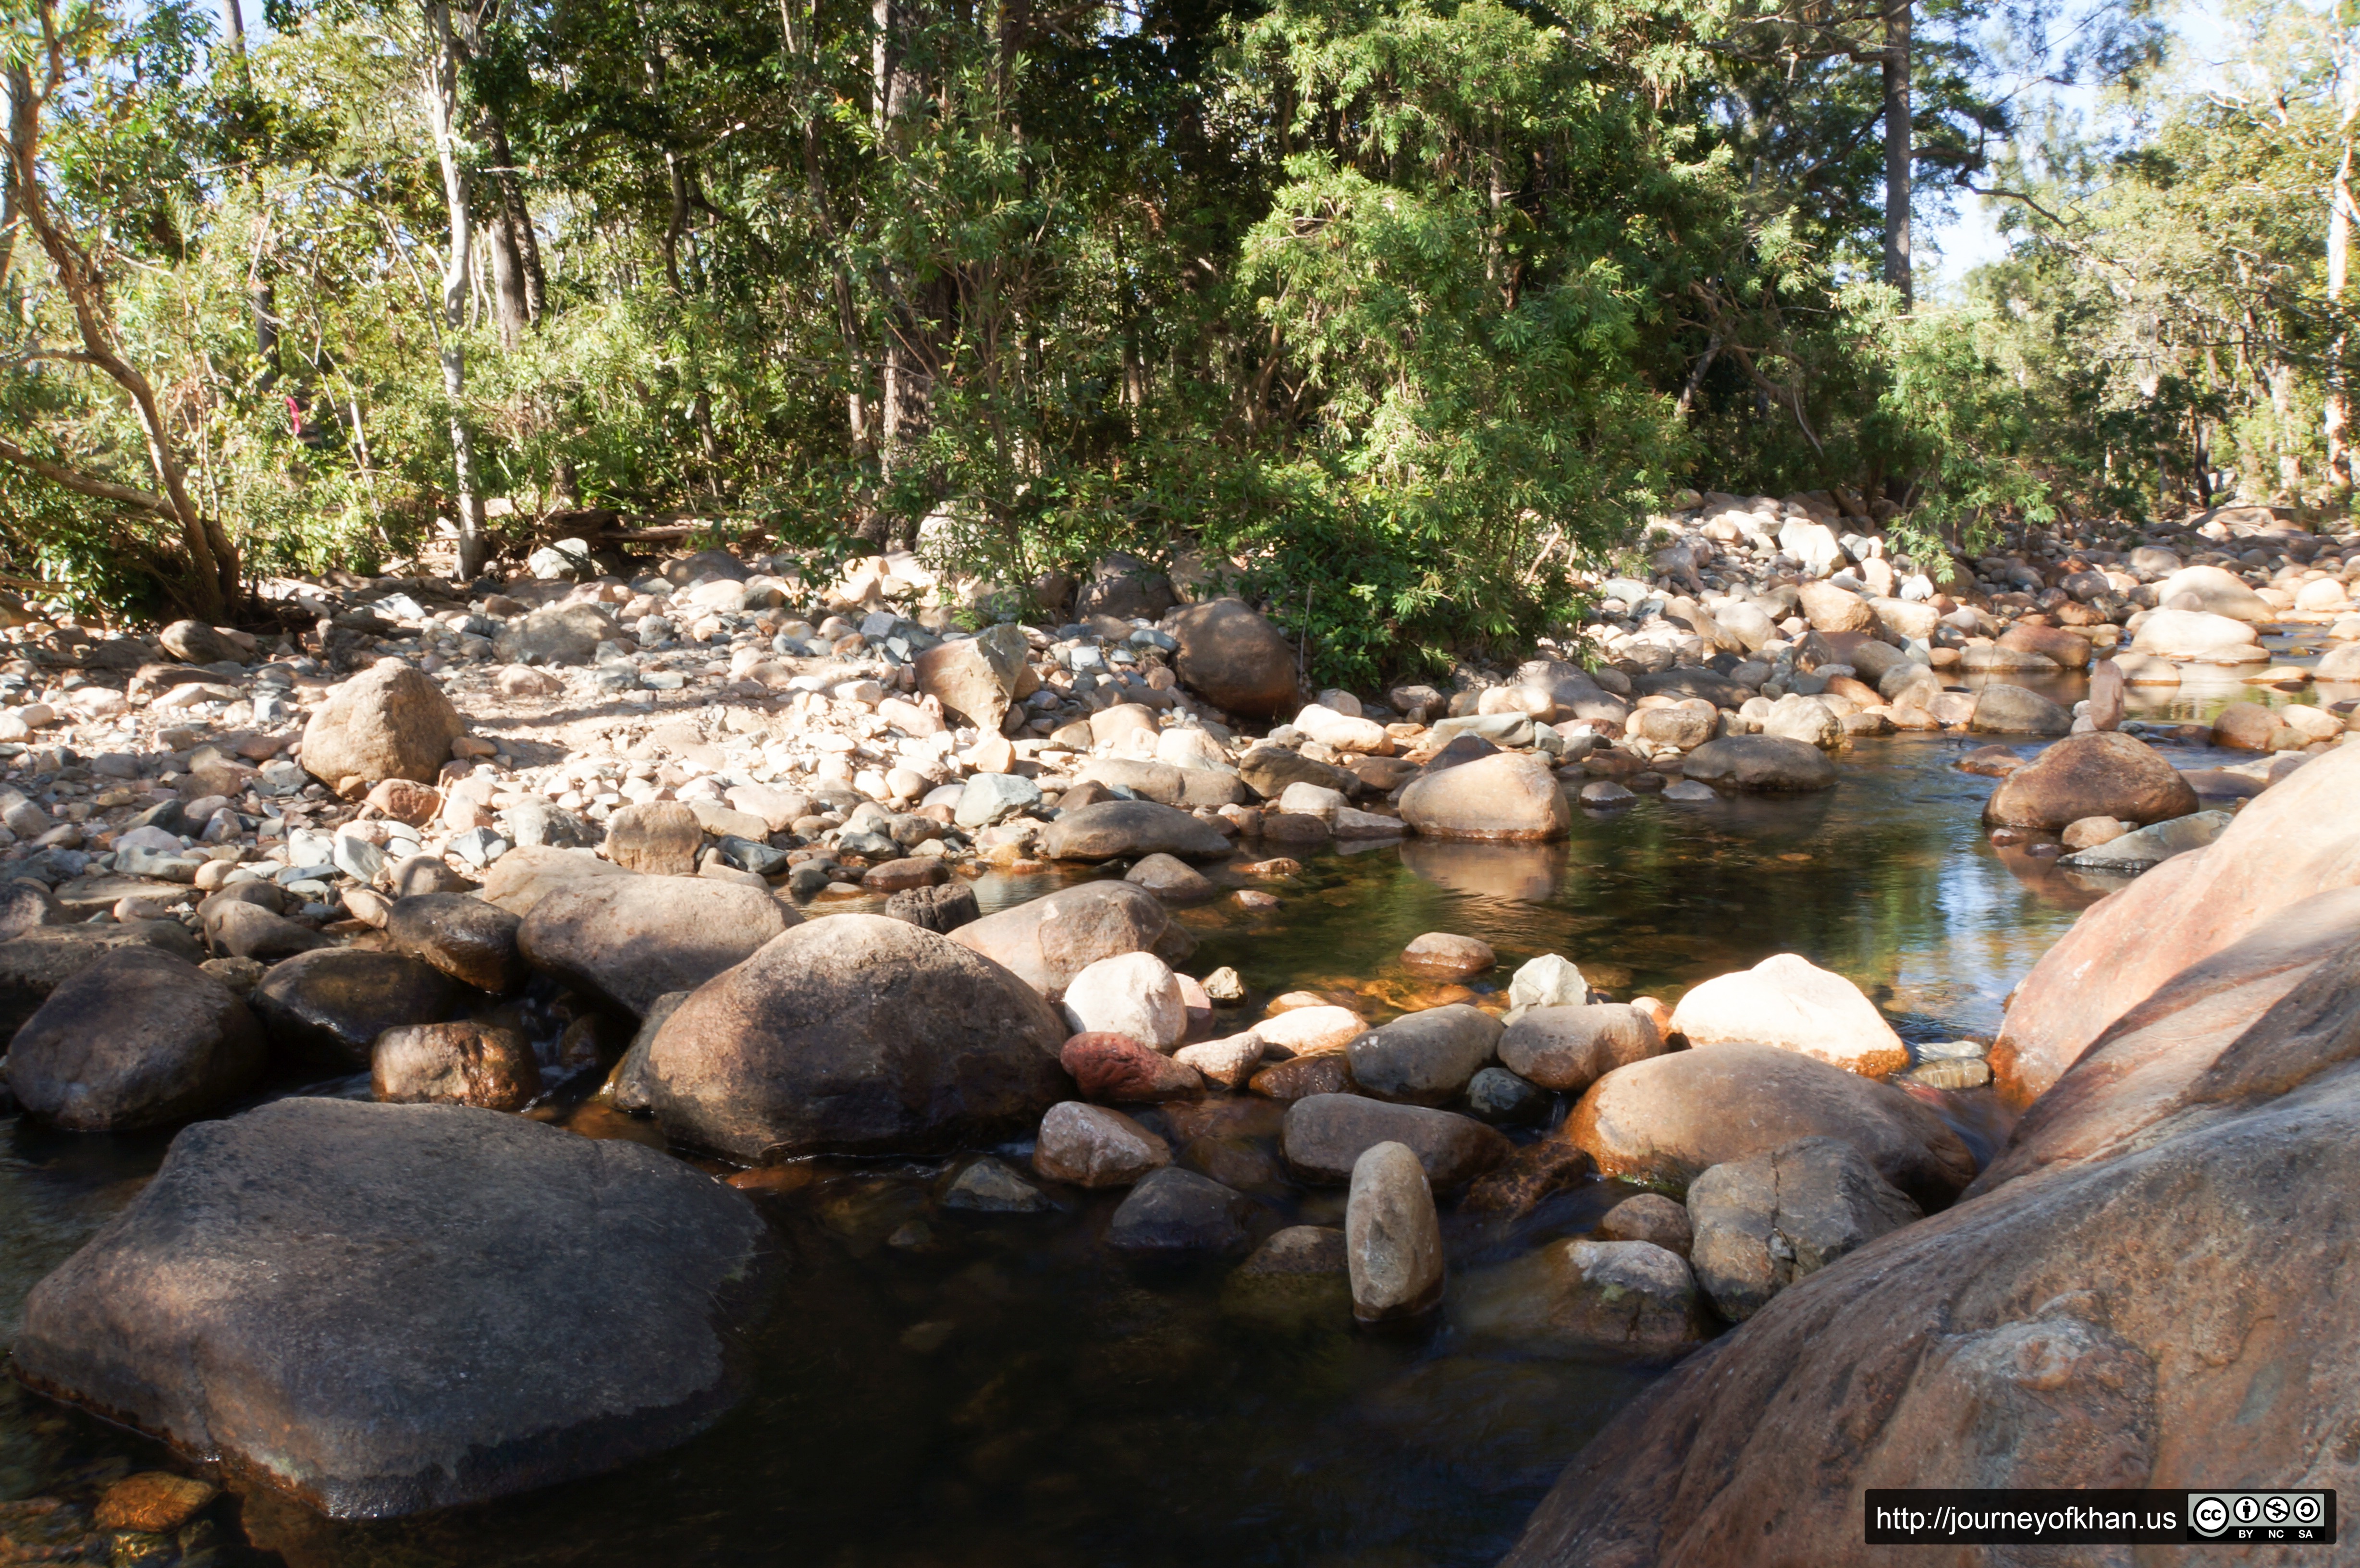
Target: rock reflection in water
(1522, 873)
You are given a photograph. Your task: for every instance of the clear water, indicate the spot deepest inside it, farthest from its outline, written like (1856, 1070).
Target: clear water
(940, 1390)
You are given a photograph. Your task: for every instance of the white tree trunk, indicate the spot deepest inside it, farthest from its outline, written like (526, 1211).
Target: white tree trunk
(442, 113)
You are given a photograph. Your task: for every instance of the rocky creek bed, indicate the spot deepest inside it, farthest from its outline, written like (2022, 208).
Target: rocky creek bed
(941, 1384)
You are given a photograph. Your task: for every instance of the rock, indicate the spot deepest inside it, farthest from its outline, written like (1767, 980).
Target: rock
(2064, 648)
(2128, 853)
(2088, 832)
(37, 962)
(1666, 1120)
(25, 905)
(389, 721)
(1132, 995)
(1393, 1238)
(1048, 940)
(1763, 1222)
(628, 939)
(193, 642)
(2011, 710)
(1688, 791)
(154, 1502)
(2027, 1337)
(1235, 658)
(1112, 830)
(2104, 774)
(2342, 664)
(1173, 1213)
(471, 940)
(1125, 588)
(1093, 1147)
(1805, 719)
(658, 837)
(137, 1039)
(1229, 1061)
(555, 633)
(992, 797)
(1449, 957)
(2300, 838)
(521, 877)
(1600, 794)
(2218, 593)
(236, 928)
(1507, 796)
(1118, 1068)
(978, 677)
(1424, 1058)
(1326, 1134)
(944, 909)
(417, 873)
(1832, 609)
(2195, 634)
(1759, 763)
(1994, 658)
(1787, 1001)
(328, 1007)
(386, 1286)
(1298, 1278)
(1175, 881)
(1498, 1096)
(1570, 1048)
(1650, 1217)
(989, 1187)
(2246, 726)
(855, 1034)
(1551, 980)
(1581, 1298)
(1311, 1031)
(456, 1064)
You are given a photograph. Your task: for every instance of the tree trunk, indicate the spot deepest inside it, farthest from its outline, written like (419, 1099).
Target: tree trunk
(442, 113)
(907, 404)
(1897, 170)
(2343, 471)
(520, 222)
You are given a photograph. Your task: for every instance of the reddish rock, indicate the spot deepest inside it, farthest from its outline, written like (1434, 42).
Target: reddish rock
(1304, 1077)
(2104, 774)
(2069, 652)
(1117, 1067)
(154, 1501)
(901, 876)
(406, 801)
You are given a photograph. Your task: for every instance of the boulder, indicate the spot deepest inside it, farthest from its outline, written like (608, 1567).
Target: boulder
(237, 928)
(1649, 1216)
(473, 942)
(1234, 659)
(2298, 838)
(527, 874)
(388, 722)
(193, 642)
(1806, 719)
(1325, 1135)
(1093, 1147)
(555, 633)
(137, 1039)
(855, 1035)
(658, 837)
(628, 939)
(1569, 1047)
(979, 677)
(1125, 588)
(1311, 1031)
(2104, 774)
(1298, 1278)
(1047, 942)
(1112, 830)
(327, 1007)
(386, 1309)
(2195, 634)
(1832, 609)
(2061, 648)
(463, 1063)
(1393, 1238)
(2028, 1337)
(1760, 763)
(2128, 853)
(2011, 710)
(1510, 796)
(1788, 1002)
(1668, 1120)
(1173, 880)
(2217, 592)
(38, 960)
(1178, 1214)
(1585, 1298)
(1118, 1069)
(1424, 1058)
(1449, 957)
(1131, 994)
(1761, 1223)
(26, 904)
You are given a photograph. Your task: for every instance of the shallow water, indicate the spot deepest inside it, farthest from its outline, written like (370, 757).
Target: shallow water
(937, 1388)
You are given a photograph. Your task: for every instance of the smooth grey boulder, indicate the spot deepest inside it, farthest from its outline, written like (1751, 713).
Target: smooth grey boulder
(240, 928)
(1324, 1137)
(1760, 763)
(471, 940)
(328, 1007)
(855, 1034)
(1393, 1238)
(386, 1309)
(139, 1038)
(1047, 942)
(37, 962)
(2150, 846)
(1110, 830)
(628, 939)
(2011, 710)
(1425, 1057)
(1175, 1213)
(26, 904)
(1761, 1223)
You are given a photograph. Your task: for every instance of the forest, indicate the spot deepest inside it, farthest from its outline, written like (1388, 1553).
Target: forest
(1402, 313)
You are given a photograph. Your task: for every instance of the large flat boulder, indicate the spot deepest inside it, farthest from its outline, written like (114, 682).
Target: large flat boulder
(855, 1034)
(1509, 796)
(1325, 1135)
(1047, 942)
(1668, 1120)
(139, 1038)
(628, 939)
(2197, 634)
(1113, 830)
(2162, 1307)
(2299, 837)
(1761, 764)
(2107, 773)
(385, 1309)
(2217, 592)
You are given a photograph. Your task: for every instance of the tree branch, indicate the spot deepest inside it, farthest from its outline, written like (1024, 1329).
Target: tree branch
(86, 485)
